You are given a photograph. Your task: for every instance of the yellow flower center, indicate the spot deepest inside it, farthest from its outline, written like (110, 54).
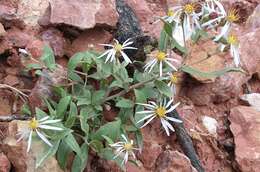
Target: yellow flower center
(232, 15)
(160, 112)
(33, 124)
(128, 146)
(118, 47)
(161, 56)
(232, 40)
(170, 13)
(174, 78)
(189, 8)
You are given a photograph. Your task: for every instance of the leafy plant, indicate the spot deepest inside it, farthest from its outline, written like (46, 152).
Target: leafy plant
(101, 82)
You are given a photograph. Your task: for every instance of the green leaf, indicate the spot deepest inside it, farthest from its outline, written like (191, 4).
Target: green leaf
(110, 129)
(139, 138)
(195, 72)
(125, 103)
(84, 123)
(51, 151)
(182, 49)
(96, 145)
(26, 109)
(163, 88)
(80, 162)
(75, 60)
(73, 144)
(140, 96)
(72, 115)
(63, 154)
(97, 97)
(48, 58)
(167, 28)
(62, 106)
(162, 45)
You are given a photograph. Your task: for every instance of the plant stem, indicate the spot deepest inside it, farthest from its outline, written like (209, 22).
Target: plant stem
(130, 89)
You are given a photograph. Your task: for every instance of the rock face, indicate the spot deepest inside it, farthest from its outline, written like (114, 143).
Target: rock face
(84, 14)
(245, 126)
(20, 159)
(90, 39)
(173, 161)
(5, 165)
(30, 11)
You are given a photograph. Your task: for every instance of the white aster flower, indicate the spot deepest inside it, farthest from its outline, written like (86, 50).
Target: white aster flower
(172, 15)
(233, 42)
(230, 17)
(124, 149)
(215, 11)
(173, 79)
(234, 48)
(191, 22)
(35, 125)
(116, 50)
(160, 111)
(160, 58)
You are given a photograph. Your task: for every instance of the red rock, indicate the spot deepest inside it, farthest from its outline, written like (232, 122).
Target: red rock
(35, 48)
(55, 39)
(151, 150)
(173, 161)
(5, 106)
(245, 127)
(250, 52)
(8, 16)
(5, 165)
(90, 39)
(14, 60)
(31, 10)
(17, 38)
(11, 80)
(148, 12)
(84, 14)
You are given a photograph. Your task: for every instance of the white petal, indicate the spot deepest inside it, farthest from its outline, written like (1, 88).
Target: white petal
(165, 127)
(173, 107)
(43, 138)
(146, 117)
(161, 68)
(44, 119)
(169, 125)
(29, 141)
(147, 122)
(173, 119)
(126, 57)
(51, 121)
(145, 111)
(148, 105)
(48, 127)
(174, 68)
(105, 53)
(107, 45)
(169, 103)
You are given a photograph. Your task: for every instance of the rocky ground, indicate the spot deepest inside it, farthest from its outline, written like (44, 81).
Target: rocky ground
(69, 26)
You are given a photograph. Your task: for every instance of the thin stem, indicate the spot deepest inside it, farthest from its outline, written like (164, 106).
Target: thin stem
(130, 89)
(14, 89)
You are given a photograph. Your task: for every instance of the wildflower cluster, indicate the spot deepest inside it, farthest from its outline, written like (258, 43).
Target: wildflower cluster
(104, 106)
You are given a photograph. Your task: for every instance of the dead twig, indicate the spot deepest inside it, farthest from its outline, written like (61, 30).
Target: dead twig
(9, 118)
